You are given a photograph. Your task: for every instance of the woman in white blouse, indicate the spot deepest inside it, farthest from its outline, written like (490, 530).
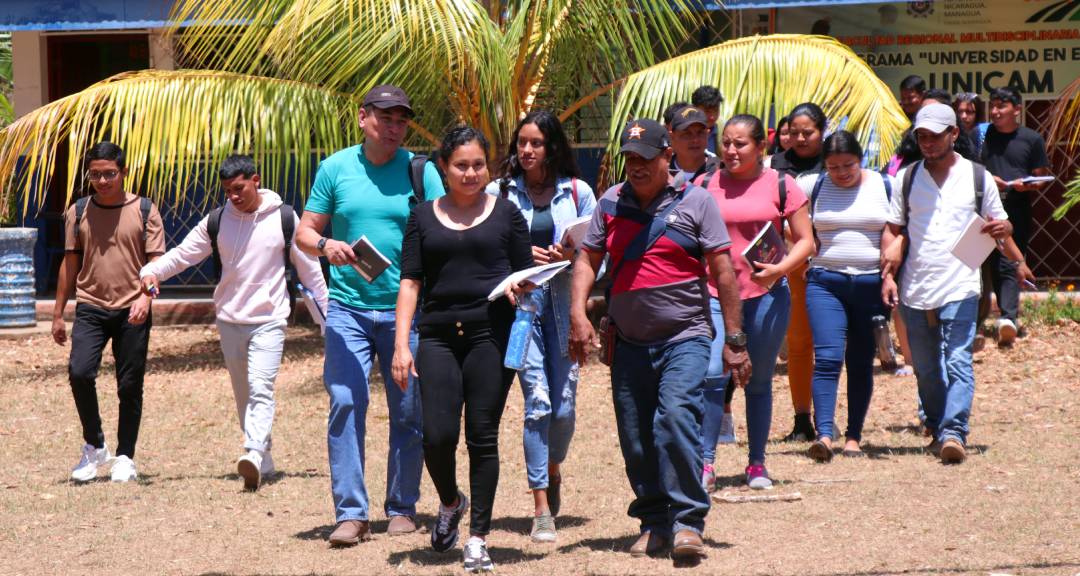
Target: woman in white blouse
(848, 206)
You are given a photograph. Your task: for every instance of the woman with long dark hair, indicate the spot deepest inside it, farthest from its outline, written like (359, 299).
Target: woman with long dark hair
(803, 162)
(541, 178)
(456, 250)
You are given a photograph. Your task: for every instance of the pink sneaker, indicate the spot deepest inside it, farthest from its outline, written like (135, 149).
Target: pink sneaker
(708, 477)
(757, 478)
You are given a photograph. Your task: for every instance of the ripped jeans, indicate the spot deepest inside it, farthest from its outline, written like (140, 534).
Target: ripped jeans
(549, 383)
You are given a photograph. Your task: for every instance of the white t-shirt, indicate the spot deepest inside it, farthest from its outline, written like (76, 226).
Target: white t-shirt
(849, 223)
(932, 277)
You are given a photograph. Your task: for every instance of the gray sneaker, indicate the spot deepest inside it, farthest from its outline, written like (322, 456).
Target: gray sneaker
(543, 529)
(476, 556)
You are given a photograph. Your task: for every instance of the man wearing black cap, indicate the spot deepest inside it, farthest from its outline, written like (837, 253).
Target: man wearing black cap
(666, 240)
(689, 138)
(367, 190)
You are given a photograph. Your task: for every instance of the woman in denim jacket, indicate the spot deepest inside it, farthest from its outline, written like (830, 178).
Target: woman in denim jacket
(540, 176)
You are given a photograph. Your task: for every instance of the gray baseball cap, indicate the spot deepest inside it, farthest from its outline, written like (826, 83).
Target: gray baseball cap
(936, 118)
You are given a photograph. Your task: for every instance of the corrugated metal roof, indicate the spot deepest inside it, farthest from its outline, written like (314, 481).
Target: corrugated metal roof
(744, 4)
(83, 14)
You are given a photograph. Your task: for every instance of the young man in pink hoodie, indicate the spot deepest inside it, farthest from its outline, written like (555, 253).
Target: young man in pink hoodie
(251, 298)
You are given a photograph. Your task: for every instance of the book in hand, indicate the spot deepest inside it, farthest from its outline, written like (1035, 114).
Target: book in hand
(369, 261)
(537, 275)
(573, 232)
(767, 247)
(1036, 179)
(313, 308)
(972, 246)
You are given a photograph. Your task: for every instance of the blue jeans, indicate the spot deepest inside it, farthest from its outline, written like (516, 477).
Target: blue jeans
(942, 361)
(549, 383)
(716, 381)
(841, 307)
(657, 391)
(765, 321)
(353, 338)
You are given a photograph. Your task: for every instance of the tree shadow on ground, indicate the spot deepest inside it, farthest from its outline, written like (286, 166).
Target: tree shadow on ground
(523, 524)
(378, 528)
(425, 556)
(732, 481)
(623, 544)
(202, 355)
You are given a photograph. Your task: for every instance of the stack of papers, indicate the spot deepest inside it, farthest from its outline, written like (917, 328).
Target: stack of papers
(572, 232)
(537, 275)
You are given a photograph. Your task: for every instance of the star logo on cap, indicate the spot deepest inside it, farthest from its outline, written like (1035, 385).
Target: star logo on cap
(636, 131)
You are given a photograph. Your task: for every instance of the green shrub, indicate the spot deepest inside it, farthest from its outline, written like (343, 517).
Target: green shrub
(1056, 306)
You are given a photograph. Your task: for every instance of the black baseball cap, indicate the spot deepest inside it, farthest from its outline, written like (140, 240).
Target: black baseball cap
(644, 137)
(387, 96)
(687, 117)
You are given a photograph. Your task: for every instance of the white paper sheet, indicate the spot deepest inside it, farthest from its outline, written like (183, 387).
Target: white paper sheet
(537, 275)
(972, 246)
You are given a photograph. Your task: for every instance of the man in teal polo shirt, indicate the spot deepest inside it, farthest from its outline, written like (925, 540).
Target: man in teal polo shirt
(365, 190)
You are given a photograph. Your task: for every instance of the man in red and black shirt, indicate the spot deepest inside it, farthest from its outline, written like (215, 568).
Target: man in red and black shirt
(665, 238)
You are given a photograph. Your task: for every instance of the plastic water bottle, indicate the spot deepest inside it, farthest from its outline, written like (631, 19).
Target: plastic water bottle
(521, 331)
(884, 344)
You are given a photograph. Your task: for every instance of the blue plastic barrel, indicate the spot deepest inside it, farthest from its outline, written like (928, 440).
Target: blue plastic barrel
(17, 277)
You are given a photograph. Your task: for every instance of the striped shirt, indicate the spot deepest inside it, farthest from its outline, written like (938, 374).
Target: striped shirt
(848, 223)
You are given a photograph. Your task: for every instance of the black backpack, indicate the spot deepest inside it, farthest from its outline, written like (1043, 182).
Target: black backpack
(416, 178)
(288, 227)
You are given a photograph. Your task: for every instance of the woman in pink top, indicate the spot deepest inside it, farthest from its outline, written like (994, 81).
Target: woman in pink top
(749, 198)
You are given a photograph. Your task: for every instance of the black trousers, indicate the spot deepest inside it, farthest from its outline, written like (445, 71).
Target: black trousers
(1002, 271)
(93, 329)
(462, 367)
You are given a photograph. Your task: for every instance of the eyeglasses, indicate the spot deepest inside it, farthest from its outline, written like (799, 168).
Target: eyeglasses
(107, 175)
(842, 167)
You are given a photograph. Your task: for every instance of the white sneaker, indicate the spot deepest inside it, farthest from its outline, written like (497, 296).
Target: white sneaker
(267, 467)
(123, 469)
(249, 467)
(1006, 331)
(88, 464)
(727, 429)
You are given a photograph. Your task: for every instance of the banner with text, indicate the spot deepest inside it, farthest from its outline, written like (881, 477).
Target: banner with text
(957, 45)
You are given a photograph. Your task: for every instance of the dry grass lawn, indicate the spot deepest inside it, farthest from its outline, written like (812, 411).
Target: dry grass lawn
(1013, 508)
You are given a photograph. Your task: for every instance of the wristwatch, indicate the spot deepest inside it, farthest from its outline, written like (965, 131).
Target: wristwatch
(321, 245)
(736, 339)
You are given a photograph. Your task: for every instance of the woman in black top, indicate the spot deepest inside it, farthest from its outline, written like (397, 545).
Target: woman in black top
(456, 250)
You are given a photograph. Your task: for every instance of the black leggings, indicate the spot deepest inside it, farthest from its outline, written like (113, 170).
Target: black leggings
(463, 366)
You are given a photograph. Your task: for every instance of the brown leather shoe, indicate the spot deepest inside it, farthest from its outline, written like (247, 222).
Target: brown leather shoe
(952, 452)
(400, 525)
(648, 544)
(349, 533)
(688, 546)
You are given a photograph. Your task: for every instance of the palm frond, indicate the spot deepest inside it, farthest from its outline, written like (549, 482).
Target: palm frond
(175, 127)
(1065, 128)
(761, 75)
(620, 36)
(446, 54)
(1070, 198)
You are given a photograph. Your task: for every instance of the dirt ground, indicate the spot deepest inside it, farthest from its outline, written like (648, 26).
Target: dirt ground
(1013, 508)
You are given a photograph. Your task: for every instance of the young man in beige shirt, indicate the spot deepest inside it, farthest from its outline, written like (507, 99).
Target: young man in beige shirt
(108, 237)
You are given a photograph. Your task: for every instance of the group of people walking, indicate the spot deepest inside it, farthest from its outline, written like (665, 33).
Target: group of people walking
(689, 318)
